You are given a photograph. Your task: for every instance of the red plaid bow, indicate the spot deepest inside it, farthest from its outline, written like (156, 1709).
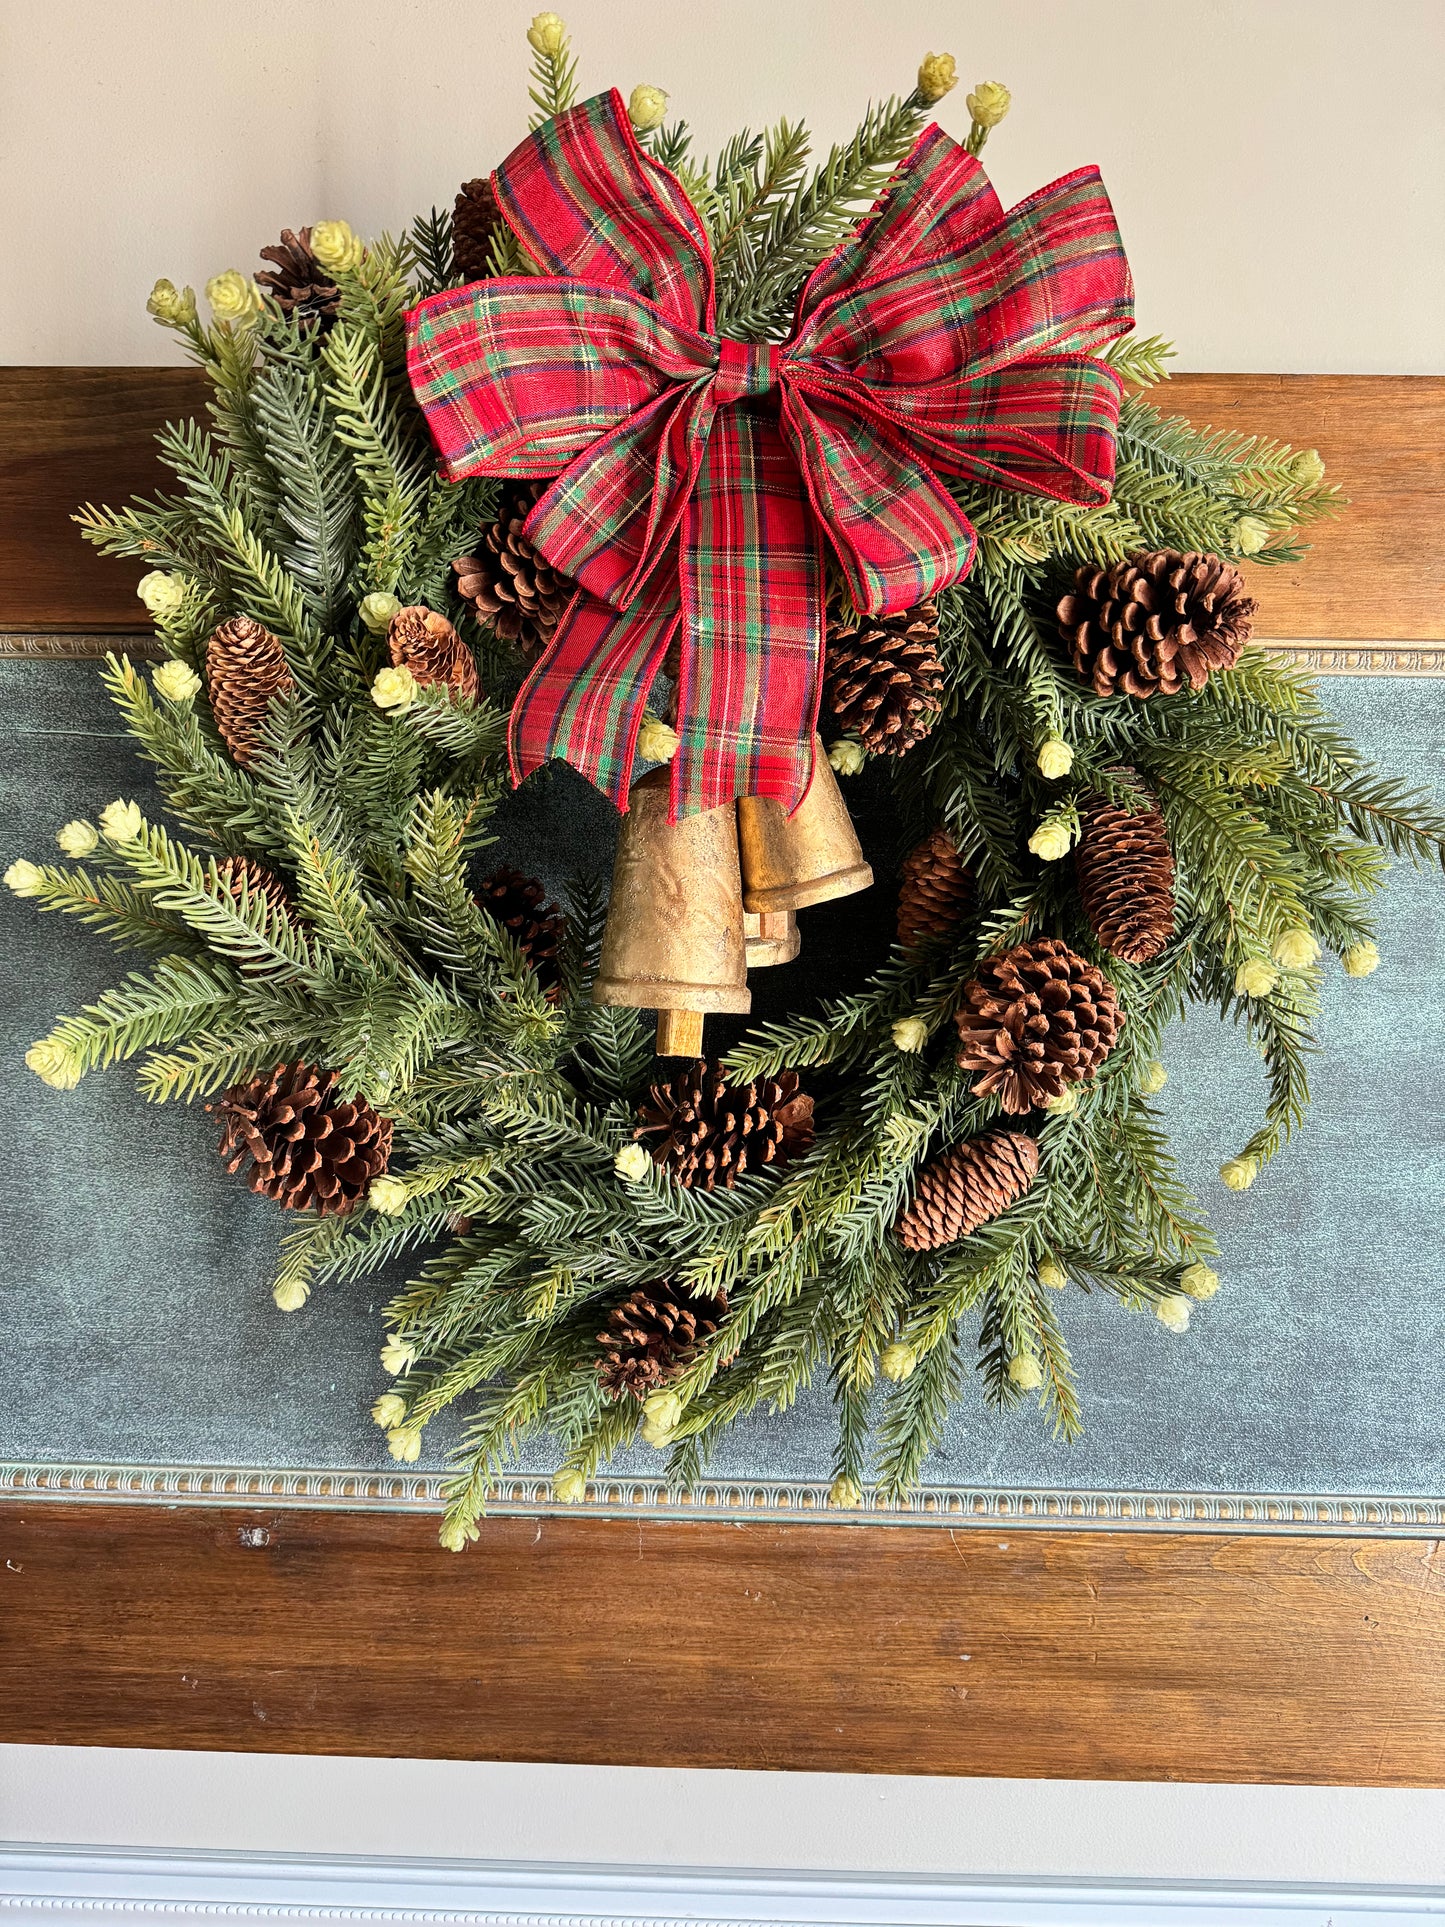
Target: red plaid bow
(696, 477)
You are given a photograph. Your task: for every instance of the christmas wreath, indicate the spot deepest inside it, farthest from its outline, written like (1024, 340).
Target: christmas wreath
(641, 458)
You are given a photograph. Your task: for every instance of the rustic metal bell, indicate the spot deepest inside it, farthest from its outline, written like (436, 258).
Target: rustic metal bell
(674, 939)
(811, 856)
(771, 939)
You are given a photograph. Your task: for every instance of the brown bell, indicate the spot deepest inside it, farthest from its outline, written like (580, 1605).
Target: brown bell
(674, 941)
(808, 857)
(772, 939)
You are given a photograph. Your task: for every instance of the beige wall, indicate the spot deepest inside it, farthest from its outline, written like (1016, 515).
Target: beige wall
(1277, 164)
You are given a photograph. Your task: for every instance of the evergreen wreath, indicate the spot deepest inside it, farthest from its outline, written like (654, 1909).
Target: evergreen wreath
(1117, 803)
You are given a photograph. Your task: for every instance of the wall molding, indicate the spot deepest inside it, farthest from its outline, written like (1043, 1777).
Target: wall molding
(80, 1886)
(1381, 1516)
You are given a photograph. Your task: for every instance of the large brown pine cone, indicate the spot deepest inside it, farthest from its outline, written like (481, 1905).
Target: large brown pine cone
(426, 643)
(475, 219)
(652, 1336)
(933, 891)
(1151, 623)
(241, 875)
(965, 1187)
(507, 582)
(1125, 871)
(245, 668)
(883, 678)
(304, 1147)
(298, 283)
(706, 1131)
(519, 904)
(1035, 1020)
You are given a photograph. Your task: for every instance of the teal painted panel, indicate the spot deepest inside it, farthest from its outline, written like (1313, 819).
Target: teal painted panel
(133, 1272)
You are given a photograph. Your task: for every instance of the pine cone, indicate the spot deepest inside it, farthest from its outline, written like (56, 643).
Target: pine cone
(1034, 1020)
(967, 1186)
(426, 643)
(519, 904)
(883, 679)
(508, 582)
(298, 283)
(1125, 871)
(934, 890)
(652, 1336)
(1155, 621)
(245, 668)
(475, 219)
(238, 871)
(706, 1131)
(306, 1148)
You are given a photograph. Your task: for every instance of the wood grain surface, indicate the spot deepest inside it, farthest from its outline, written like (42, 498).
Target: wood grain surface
(895, 1649)
(69, 435)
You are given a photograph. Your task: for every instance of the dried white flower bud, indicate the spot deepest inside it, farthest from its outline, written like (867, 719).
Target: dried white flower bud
(846, 756)
(1250, 534)
(646, 108)
(161, 592)
(547, 34)
(1152, 1078)
(455, 1537)
(395, 1356)
(1255, 978)
(937, 76)
(78, 838)
(232, 296)
(173, 307)
(910, 1034)
(335, 246)
(387, 1195)
(1198, 1281)
(394, 688)
(1238, 1174)
(121, 821)
(25, 878)
(989, 102)
(404, 1443)
(290, 1296)
(661, 1416)
(1307, 469)
(657, 741)
(1297, 950)
(632, 1162)
(569, 1487)
(378, 608)
(846, 1493)
(1173, 1312)
(1025, 1371)
(1053, 1275)
(1055, 759)
(1361, 959)
(1051, 840)
(389, 1410)
(1066, 1101)
(176, 681)
(898, 1361)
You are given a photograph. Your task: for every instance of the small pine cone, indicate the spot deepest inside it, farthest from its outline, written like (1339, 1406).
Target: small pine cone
(1035, 1020)
(305, 1148)
(706, 1131)
(965, 1187)
(537, 928)
(1155, 621)
(1125, 872)
(934, 890)
(426, 643)
(245, 668)
(653, 1336)
(508, 583)
(298, 283)
(475, 219)
(238, 872)
(883, 678)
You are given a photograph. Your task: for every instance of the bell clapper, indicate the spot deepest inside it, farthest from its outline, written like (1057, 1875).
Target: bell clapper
(679, 1033)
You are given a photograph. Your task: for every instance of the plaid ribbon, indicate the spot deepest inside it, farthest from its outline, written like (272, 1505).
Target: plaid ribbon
(697, 478)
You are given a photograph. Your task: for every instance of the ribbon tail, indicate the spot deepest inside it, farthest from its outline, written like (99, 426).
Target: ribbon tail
(752, 632)
(585, 699)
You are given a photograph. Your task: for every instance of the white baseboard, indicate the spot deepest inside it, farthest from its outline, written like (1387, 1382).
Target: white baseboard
(58, 1887)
